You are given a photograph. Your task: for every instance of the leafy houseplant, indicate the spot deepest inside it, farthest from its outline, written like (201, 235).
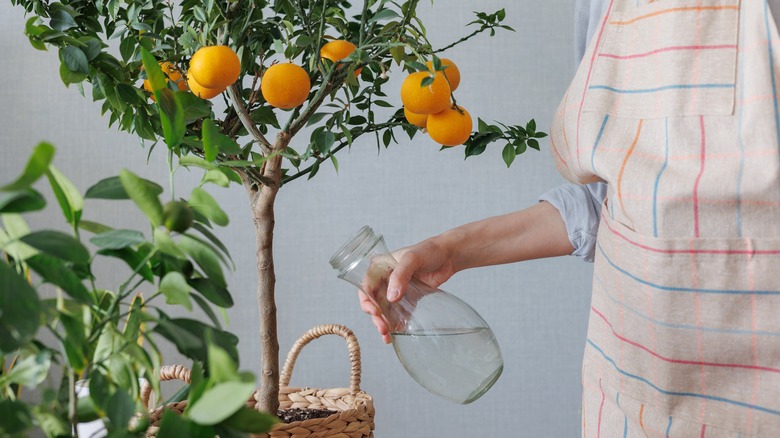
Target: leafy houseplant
(106, 340)
(249, 144)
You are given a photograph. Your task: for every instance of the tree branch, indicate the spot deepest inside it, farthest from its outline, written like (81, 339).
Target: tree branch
(341, 146)
(246, 120)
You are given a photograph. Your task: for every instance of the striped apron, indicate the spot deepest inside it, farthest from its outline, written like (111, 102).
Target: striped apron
(675, 107)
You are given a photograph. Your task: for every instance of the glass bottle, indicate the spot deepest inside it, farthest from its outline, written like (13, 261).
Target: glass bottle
(441, 341)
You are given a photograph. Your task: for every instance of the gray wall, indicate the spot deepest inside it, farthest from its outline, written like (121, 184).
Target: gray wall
(407, 192)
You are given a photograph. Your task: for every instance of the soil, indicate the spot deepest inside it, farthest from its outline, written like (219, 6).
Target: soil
(297, 414)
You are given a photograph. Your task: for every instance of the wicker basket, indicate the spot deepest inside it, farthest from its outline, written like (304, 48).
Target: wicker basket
(354, 417)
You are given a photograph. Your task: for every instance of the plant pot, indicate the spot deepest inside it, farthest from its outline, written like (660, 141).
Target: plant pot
(354, 409)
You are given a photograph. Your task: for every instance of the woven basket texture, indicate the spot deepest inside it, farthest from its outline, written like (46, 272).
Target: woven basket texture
(354, 417)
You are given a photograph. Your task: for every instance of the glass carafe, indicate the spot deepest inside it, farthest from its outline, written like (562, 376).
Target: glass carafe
(441, 341)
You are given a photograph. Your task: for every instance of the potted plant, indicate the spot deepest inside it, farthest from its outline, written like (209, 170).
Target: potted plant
(62, 337)
(282, 69)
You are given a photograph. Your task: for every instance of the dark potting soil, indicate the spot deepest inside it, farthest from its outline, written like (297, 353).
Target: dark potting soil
(297, 414)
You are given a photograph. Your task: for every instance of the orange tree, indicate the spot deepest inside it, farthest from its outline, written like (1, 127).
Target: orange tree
(193, 50)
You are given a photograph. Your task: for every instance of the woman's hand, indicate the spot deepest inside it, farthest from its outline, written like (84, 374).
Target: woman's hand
(388, 280)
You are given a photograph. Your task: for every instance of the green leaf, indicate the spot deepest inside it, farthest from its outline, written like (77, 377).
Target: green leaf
(188, 335)
(117, 239)
(99, 388)
(221, 366)
(15, 228)
(36, 167)
(20, 308)
(58, 244)
(206, 308)
(210, 146)
(173, 425)
(220, 402)
(76, 347)
(120, 409)
(533, 143)
(216, 177)
(206, 205)
(74, 59)
(219, 295)
(265, 116)
(383, 14)
(508, 154)
(135, 319)
(61, 20)
(205, 257)
(111, 188)
(94, 227)
(530, 127)
(166, 245)
(67, 195)
(16, 417)
(21, 201)
(145, 198)
(194, 107)
(214, 240)
(29, 371)
(176, 290)
(154, 73)
(71, 77)
(53, 270)
(251, 421)
(323, 140)
(171, 108)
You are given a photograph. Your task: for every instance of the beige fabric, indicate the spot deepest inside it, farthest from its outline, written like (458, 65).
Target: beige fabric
(675, 107)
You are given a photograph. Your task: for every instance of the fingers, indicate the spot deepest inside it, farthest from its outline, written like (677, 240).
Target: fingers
(398, 282)
(376, 316)
(366, 305)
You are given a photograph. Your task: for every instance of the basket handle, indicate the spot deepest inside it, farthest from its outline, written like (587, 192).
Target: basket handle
(316, 332)
(167, 372)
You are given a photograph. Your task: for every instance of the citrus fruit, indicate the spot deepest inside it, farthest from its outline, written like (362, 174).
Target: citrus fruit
(177, 216)
(452, 72)
(215, 66)
(450, 127)
(429, 99)
(416, 119)
(337, 50)
(171, 74)
(285, 85)
(201, 91)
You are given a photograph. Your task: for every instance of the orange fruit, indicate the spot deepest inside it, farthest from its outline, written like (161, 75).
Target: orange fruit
(337, 50)
(451, 72)
(416, 119)
(201, 91)
(171, 74)
(285, 85)
(215, 66)
(429, 99)
(450, 127)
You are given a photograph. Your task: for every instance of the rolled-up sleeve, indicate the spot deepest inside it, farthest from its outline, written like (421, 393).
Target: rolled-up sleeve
(580, 209)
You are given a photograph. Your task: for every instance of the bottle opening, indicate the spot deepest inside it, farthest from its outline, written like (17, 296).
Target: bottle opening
(350, 254)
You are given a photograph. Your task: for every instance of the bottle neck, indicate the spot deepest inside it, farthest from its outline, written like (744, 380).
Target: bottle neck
(353, 260)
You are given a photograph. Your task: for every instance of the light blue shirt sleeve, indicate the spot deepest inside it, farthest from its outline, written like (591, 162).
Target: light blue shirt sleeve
(580, 209)
(580, 205)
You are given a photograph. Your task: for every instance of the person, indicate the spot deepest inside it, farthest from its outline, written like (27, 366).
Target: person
(670, 135)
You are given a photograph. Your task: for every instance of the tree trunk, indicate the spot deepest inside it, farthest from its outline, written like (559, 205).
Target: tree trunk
(262, 197)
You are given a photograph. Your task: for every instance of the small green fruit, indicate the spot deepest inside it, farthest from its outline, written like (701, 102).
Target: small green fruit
(177, 216)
